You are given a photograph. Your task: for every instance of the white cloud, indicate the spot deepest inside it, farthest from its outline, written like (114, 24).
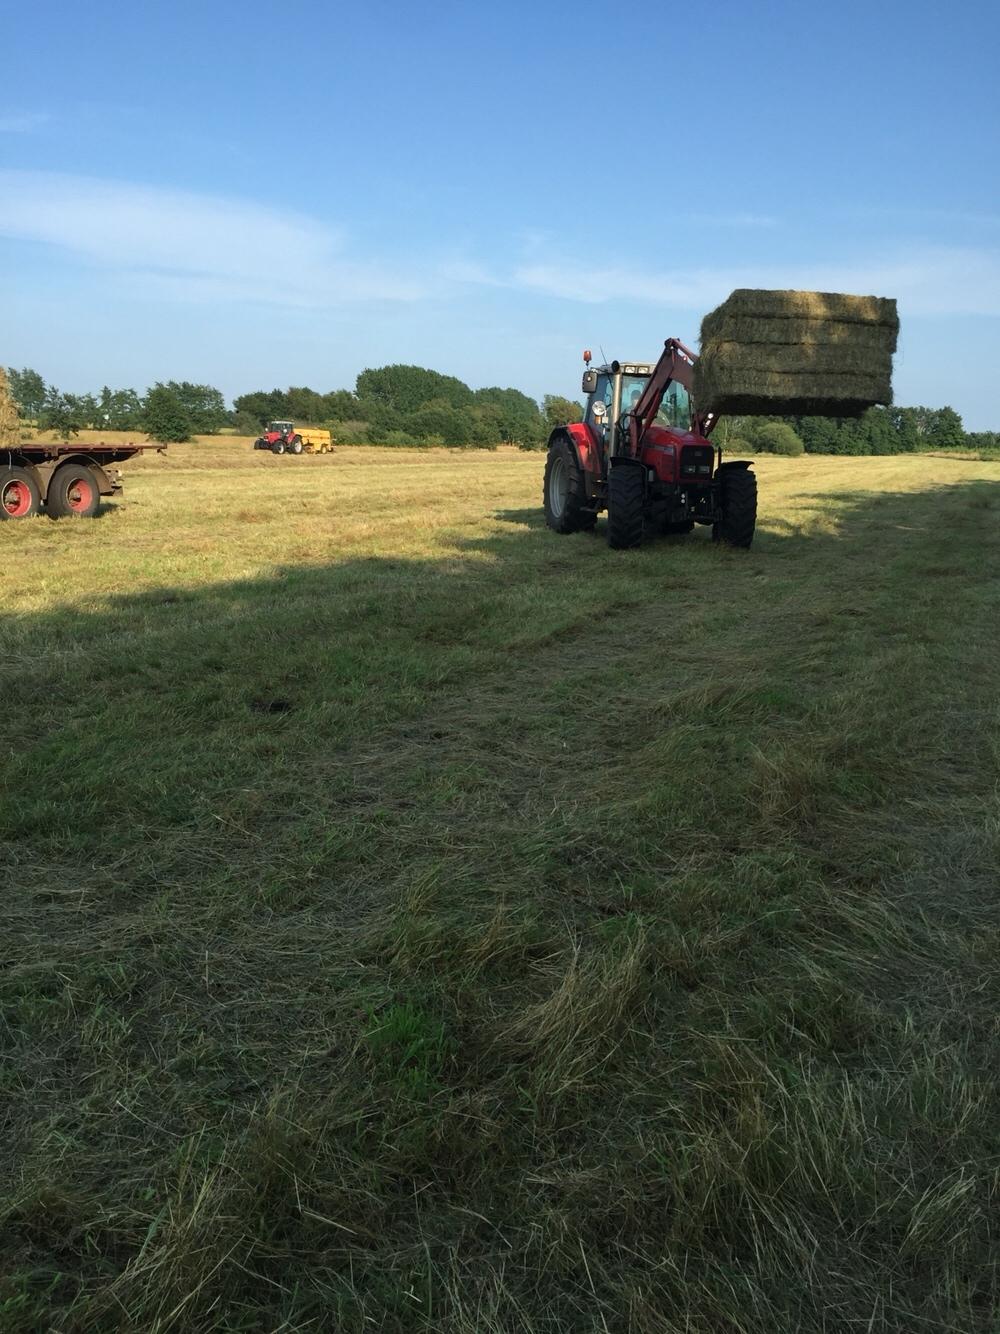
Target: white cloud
(23, 122)
(926, 281)
(193, 246)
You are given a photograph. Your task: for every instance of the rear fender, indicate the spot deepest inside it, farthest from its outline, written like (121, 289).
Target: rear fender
(587, 447)
(105, 484)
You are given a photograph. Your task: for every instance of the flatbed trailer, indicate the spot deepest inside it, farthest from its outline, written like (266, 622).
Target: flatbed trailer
(65, 479)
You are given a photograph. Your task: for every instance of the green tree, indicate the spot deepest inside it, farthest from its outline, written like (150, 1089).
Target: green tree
(340, 406)
(818, 434)
(439, 419)
(28, 389)
(165, 416)
(557, 411)
(119, 409)
(945, 430)
(404, 389)
(263, 406)
(60, 412)
(904, 423)
(203, 405)
(305, 406)
(521, 423)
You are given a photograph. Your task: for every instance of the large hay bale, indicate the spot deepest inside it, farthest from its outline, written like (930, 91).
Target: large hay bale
(797, 353)
(10, 427)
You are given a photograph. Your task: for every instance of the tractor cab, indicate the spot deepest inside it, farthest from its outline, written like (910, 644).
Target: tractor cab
(281, 428)
(617, 389)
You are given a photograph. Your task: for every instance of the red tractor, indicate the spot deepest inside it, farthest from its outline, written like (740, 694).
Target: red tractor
(642, 453)
(279, 437)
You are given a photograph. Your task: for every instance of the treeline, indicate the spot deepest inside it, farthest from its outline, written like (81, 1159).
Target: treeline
(174, 410)
(390, 405)
(410, 405)
(891, 430)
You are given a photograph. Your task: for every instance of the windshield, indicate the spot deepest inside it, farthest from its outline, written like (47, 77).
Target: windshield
(675, 410)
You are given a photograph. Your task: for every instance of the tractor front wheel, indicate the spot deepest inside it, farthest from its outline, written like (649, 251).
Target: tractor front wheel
(564, 492)
(738, 502)
(626, 502)
(278, 447)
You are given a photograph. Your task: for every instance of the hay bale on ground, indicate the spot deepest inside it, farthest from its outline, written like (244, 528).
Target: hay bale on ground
(797, 353)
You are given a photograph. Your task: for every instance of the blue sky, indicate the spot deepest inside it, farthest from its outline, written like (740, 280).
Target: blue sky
(260, 194)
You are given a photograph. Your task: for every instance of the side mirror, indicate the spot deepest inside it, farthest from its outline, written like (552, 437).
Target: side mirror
(589, 381)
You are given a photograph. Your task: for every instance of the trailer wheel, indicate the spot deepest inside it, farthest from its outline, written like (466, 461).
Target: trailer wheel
(19, 497)
(738, 501)
(295, 445)
(278, 447)
(74, 492)
(626, 501)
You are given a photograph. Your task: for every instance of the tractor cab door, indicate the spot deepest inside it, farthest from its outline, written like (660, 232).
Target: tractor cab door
(597, 414)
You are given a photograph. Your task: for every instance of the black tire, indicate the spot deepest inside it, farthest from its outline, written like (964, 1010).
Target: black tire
(564, 493)
(19, 497)
(738, 502)
(626, 502)
(278, 447)
(295, 445)
(74, 492)
(678, 529)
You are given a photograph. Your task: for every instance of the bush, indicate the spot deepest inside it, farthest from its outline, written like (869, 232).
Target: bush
(778, 438)
(351, 433)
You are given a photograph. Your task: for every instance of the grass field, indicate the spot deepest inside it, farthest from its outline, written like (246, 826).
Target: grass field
(414, 920)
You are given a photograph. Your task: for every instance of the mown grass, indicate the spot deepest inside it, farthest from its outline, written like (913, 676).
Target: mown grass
(414, 920)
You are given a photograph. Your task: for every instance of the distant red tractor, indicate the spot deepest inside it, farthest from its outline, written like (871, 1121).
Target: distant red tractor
(642, 453)
(280, 437)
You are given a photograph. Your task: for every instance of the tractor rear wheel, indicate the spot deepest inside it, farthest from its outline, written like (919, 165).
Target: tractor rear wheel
(74, 492)
(626, 502)
(19, 497)
(278, 447)
(738, 502)
(564, 493)
(295, 445)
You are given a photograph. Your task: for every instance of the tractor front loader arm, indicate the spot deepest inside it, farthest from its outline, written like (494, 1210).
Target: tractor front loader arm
(676, 363)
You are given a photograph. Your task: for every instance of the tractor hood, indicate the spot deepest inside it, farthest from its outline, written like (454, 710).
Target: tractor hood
(672, 435)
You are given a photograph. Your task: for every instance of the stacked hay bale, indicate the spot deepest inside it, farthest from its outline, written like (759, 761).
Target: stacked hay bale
(810, 354)
(10, 427)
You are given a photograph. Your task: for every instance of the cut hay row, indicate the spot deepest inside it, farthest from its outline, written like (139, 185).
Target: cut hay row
(797, 353)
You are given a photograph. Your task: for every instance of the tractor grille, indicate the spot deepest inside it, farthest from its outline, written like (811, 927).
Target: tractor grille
(696, 461)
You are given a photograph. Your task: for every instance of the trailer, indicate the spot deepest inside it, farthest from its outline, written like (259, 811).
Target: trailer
(66, 480)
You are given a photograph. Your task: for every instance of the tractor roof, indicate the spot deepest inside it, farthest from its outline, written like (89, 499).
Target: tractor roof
(626, 368)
